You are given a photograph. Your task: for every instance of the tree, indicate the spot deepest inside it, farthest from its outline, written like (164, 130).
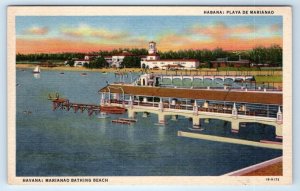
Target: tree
(99, 62)
(70, 63)
(131, 62)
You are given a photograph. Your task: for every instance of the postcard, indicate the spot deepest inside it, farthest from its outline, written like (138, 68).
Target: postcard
(149, 95)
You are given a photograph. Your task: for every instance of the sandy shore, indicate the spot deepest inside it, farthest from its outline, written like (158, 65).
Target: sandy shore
(202, 71)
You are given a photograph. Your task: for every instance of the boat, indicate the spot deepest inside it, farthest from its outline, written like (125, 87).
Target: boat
(121, 121)
(196, 128)
(62, 73)
(113, 109)
(36, 70)
(127, 119)
(103, 115)
(83, 74)
(104, 72)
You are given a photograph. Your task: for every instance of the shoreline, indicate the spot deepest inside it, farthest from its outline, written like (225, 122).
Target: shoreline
(261, 76)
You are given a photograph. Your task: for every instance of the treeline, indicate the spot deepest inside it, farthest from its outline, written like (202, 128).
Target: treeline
(260, 55)
(48, 57)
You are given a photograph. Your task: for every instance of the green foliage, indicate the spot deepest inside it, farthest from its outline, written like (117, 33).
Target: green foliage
(271, 55)
(260, 55)
(99, 62)
(70, 63)
(238, 69)
(45, 56)
(131, 62)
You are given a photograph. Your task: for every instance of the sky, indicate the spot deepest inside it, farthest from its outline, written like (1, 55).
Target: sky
(55, 34)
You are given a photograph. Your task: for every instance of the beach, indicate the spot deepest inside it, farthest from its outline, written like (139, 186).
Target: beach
(274, 76)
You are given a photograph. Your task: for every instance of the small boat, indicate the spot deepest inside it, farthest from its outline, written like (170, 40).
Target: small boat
(127, 119)
(83, 74)
(36, 70)
(196, 128)
(121, 121)
(103, 115)
(113, 109)
(104, 72)
(62, 73)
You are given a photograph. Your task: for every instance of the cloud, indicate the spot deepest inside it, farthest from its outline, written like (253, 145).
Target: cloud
(85, 38)
(220, 30)
(36, 31)
(275, 28)
(57, 45)
(219, 34)
(83, 31)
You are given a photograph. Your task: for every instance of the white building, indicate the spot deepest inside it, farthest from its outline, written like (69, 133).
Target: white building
(153, 61)
(117, 59)
(86, 60)
(80, 62)
(108, 59)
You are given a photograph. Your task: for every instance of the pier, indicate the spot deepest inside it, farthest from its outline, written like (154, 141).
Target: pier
(236, 107)
(65, 104)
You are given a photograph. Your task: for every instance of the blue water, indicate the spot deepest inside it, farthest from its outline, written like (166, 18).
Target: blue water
(62, 143)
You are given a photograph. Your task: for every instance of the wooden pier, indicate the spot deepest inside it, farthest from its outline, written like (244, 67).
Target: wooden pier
(65, 104)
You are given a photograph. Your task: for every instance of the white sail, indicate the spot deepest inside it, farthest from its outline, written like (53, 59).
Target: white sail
(37, 69)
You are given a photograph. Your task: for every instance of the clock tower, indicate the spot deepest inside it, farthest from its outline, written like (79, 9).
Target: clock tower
(152, 48)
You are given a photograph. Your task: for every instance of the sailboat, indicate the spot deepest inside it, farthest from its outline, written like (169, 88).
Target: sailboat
(36, 70)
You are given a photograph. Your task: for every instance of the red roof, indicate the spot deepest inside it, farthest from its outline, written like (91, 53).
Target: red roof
(218, 95)
(153, 54)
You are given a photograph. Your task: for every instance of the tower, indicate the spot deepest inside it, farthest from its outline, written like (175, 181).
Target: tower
(152, 48)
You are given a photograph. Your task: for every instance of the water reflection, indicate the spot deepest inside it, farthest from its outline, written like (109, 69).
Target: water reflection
(37, 76)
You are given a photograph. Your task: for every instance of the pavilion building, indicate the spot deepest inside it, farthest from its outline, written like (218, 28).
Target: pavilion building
(153, 61)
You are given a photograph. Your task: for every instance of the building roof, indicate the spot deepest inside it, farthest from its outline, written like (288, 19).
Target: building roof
(217, 95)
(153, 54)
(173, 60)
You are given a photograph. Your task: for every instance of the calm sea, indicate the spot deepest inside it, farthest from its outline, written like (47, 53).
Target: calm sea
(62, 143)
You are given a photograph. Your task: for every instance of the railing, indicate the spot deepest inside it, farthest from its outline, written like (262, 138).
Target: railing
(212, 109)
(256, 89)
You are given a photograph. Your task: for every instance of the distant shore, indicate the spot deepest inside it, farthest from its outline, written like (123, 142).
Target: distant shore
(265, 76)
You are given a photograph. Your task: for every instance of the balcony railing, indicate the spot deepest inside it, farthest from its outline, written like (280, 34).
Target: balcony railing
(211, 108)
